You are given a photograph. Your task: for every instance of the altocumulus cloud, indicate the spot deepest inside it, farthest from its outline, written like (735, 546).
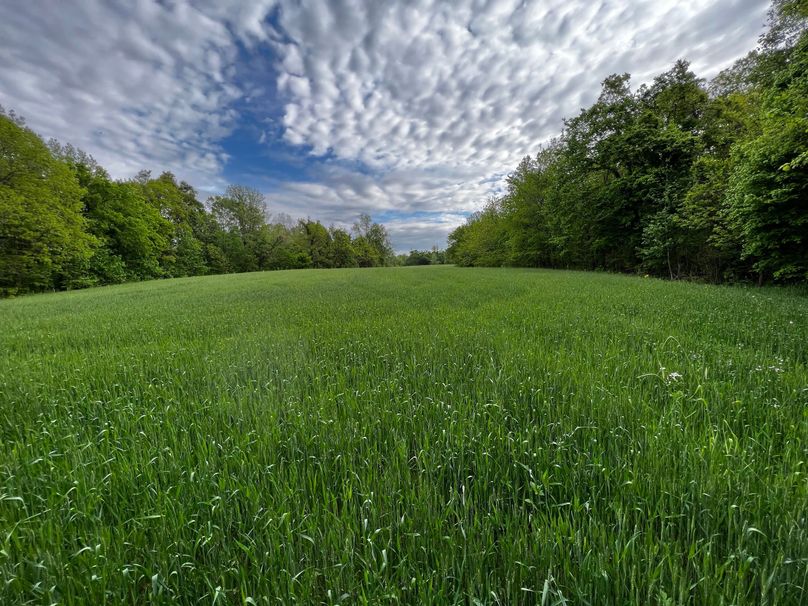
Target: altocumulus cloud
(412, 111)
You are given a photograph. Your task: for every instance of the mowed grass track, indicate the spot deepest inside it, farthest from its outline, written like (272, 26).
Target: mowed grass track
(405, 435)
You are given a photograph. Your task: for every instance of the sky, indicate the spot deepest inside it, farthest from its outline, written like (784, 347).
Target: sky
(411, 111)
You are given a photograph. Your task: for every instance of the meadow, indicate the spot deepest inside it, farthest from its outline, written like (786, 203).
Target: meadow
(430, 435)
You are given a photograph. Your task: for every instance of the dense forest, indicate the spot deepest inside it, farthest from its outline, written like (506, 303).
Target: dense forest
(64, 223)
(679, 178)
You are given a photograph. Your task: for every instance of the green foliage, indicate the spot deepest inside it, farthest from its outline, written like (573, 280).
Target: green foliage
(372, 243)
(424, 257)
(43, 242)
(106, 267)
(189, 257)
(669, 180)
(241, 215)
(123, 221)
(186, 226)
(318, 243)
(482, 241)
(769, 187)
(342, 250)
(364, 253)
(65, 224)
(215, 259)
(429, 436)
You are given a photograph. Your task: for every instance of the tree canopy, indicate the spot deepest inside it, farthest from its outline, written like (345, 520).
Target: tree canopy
(679, 178)
(64, 223)
(44, 240)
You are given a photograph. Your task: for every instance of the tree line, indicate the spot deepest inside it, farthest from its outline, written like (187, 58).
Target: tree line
(679, 178)
(64, 224)
(422, 257)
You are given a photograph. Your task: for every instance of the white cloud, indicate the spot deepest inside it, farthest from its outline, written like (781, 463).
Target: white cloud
(139, 84)
(436, 97)
(477, 84)
(437, 100)
(423, 232)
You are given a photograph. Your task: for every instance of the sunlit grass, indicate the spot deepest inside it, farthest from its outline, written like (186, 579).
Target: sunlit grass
(424, 435)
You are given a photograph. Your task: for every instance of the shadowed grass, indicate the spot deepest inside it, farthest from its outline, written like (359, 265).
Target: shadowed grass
(423, 435)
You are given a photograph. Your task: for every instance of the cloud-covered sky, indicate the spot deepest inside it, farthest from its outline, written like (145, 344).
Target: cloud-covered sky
(412, 111)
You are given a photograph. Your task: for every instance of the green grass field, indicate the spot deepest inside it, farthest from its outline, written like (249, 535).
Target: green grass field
(405, 435)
